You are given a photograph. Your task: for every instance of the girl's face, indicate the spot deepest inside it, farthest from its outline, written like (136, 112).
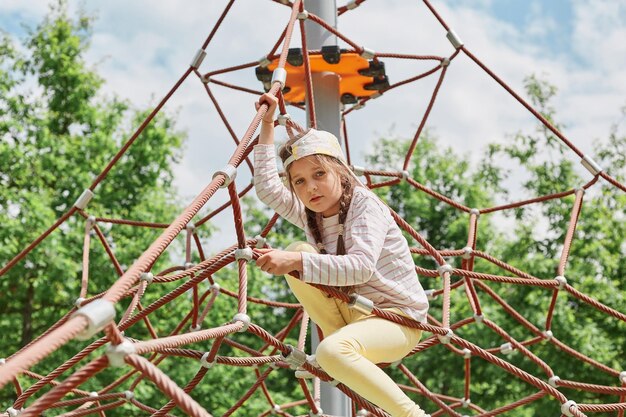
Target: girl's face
(318, 189)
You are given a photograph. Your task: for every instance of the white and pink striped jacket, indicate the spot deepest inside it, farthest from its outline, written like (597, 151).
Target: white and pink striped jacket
(377, 262)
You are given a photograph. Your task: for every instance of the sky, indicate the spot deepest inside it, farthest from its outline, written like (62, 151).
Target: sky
(142, 47)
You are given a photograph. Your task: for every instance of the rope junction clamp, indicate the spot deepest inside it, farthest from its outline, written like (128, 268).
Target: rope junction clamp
(565, 408)
(358, 170)
(91, 220)
(467, 353)
(190, 227)
(197, 59)
(303, 15)
(465, 402)
(430, 294)
(146, 276)
(189, 265)
(548, 334)
(79, 302)
(591, 165)
(562, 281)
(205, 363)
(368, 53)
(117, 353)
(230, 172)
(295, 358)
(195, 328)
(276, 409)
(264, 61)
(352, 4)
(454, 39)
(467, 252)
(215, 287)
(13, 412)
(506, 348)
(479, 318)
(283, 119)
(553, 381)
(2, 361)
(93, 394)
(622, 377)
(129, 395)
(445, 62)
(361, 304)
(280, 75)
(362, 413)
(406, 175)
(442, 269)
(99, 313)
(84, 199)
(445, 339)
(320, 413)
(244, 253)
(244, 318)
(260, 241)
(475, 211)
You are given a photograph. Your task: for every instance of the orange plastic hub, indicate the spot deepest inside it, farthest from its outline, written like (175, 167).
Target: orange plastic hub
(348, 69)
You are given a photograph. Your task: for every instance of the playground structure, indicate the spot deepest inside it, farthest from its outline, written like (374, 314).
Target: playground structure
(97, 313)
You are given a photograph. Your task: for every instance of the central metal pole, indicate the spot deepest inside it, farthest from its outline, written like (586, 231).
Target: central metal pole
(327, 112)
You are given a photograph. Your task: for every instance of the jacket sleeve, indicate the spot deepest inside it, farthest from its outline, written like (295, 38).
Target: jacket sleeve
(367, 231)
(270, 189)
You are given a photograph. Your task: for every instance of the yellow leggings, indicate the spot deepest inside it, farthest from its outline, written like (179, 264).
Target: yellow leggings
(354, 343)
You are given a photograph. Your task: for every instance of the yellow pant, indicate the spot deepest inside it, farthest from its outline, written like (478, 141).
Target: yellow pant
(354, 343)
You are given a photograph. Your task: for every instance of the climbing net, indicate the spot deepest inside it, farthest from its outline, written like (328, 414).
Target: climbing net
(93, 314)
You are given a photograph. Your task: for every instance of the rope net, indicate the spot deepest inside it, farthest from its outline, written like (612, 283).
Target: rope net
(116, 347)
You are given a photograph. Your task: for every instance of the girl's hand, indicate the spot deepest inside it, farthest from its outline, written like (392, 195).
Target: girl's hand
(279, 262)
(272, 103)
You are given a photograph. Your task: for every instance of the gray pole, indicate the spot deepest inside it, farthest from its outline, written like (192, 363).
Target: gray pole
(327, 112)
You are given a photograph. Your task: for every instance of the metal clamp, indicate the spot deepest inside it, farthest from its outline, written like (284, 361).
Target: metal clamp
(430, 294)
(84, 199)
(303, 15)
(352, 4)
(117, 353)
(295, 358)
(264, 61)
(445, 339)
(506, 348)
(591, 165)
(244, 318)
(562, 281)
(475, 211)
(548, 334)
(445, 62)
(565, 408)
(146, 276)
(283, 119)
(479, 318)
(467, 353)
(553, 381)
(197, 59)
(205, 363)
(622, 377)
(467, 252)
(442, 269)
(260, 241)
(98, 313)
(244, 253)
(129, 395)
(358, 170)
(279, 75)
(14, 412)
(368, 53)
(454, 39)
(230, 172)
(361, 304)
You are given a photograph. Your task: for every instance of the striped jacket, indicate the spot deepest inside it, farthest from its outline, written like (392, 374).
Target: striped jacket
(377, 264)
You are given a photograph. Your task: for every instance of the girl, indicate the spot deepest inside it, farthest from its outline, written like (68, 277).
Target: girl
(358, 248)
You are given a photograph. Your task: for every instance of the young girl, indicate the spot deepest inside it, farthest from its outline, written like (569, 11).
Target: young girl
(357, 247)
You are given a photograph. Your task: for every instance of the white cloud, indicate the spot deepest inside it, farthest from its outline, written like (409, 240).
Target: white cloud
(143, 47)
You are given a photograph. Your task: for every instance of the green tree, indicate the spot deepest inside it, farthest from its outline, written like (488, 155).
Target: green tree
(534, 246)
(57, 133)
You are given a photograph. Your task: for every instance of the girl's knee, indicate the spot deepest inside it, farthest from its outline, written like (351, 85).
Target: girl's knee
(300, 246)
(333, 350)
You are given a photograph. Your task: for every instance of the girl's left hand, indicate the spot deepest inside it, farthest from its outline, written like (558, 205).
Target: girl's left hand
(279, 262)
